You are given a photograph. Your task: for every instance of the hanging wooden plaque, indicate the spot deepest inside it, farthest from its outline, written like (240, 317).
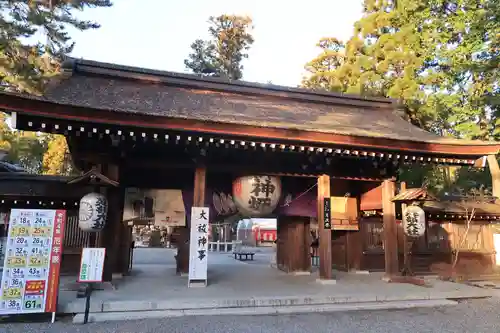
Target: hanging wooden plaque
(327, 213)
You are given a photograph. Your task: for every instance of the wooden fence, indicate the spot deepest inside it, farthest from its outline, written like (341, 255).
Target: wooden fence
(74, 238)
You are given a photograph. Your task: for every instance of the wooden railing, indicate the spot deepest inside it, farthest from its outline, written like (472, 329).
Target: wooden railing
(74, 237)
(223, 246)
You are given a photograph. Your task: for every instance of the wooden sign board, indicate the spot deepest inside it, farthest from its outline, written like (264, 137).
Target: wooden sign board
(327, 217)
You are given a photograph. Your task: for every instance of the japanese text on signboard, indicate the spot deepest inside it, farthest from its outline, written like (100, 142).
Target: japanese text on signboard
(202, 234)
(198, 243)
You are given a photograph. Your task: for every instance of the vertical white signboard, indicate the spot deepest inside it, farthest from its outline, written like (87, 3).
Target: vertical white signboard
(198, 245)
(92, 265)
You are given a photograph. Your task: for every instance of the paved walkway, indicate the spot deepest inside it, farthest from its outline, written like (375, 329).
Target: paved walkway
(155, 286)
(477, 316)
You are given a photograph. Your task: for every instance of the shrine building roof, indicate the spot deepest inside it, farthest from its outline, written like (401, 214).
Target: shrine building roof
(121, 95)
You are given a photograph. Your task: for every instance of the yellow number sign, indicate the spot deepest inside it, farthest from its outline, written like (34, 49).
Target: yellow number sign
(37, 261)
(16, 262)
(11, 293)
(20, 231)
(41, 231)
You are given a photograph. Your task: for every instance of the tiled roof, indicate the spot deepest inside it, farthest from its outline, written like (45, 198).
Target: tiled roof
(480, 208)
(417, 194)
(140, 91)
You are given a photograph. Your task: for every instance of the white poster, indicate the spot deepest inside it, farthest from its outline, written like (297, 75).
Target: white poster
(30, 277)
(198, 244)
(92, 265)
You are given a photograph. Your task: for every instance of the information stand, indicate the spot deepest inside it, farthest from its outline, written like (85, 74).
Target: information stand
(91, 270)
(32, 261)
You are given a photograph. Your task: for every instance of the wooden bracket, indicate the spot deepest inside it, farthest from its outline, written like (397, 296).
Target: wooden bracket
(94, 177)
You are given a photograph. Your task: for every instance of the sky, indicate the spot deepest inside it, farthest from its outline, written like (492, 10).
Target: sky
(158, 35)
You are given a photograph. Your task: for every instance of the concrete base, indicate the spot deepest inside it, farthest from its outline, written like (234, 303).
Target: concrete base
(105, 286)
(326, 282)
(117, 276)
(355, 271)
(300, 273)
(197, 284)
(269, 310)
(386, 278)
(77, 286)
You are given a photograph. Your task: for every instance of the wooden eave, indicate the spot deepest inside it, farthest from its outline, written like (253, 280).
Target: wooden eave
(33, 108)
(104, 97)
(414, 194)
(442, 215)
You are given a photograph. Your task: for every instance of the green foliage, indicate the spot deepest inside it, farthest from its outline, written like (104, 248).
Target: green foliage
(56, 158)
(27, 64)
(441, 180)
(438, 58)
(230, 39)
(23, 148)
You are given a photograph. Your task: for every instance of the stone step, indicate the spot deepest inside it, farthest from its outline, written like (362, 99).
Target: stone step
(261, 310)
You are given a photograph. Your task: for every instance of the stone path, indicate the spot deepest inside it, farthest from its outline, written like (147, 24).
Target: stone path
(154, 286)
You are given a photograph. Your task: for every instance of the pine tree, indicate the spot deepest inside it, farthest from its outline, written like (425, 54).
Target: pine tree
(439, 58)
(230, 39)
(25, 64)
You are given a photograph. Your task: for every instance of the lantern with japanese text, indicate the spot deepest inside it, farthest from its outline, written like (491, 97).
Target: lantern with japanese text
(256, 195)
(93, 212)
(414, 221)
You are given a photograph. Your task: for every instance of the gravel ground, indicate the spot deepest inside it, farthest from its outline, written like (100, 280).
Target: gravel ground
(477, 316)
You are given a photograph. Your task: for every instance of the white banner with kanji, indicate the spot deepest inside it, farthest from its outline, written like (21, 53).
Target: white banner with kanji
(198, 244)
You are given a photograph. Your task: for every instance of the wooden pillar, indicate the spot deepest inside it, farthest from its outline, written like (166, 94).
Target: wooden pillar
(325, 235)
(198, 201)
(123, 259)
(390, 228)
(121, 243)
(354, 239)
(293, 244)
(200, 176)
(111, 235)
(406, 240)
(495, 175)
(355, 248)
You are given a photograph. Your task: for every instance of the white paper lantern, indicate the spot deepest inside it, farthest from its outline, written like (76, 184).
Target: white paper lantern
(256, 195)
(414, 221)
(93, 212)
